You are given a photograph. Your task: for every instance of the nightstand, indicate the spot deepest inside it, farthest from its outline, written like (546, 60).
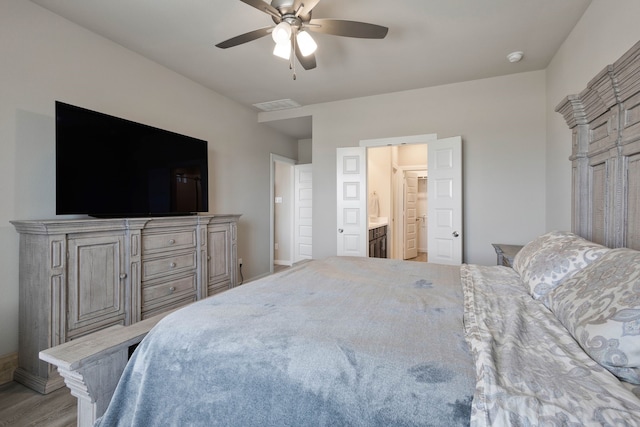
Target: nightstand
(506, 253)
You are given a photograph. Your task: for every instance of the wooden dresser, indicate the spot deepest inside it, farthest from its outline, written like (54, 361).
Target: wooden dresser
(506, 253)
(81, 276)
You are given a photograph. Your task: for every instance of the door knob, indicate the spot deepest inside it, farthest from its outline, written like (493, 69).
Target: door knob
(340, 230)
(455, 234)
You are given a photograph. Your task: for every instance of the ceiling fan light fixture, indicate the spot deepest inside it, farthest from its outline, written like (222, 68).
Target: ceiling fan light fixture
(283, 49)
(281, 33)
(307, 45)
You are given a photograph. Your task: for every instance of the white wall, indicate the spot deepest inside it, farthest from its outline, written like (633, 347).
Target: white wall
(46, 58)
(304, 151)
(379, 178)
(606, 31)
(502, 124)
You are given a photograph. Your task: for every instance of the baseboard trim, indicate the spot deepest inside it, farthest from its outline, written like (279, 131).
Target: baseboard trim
(39, 384)
(8, 364)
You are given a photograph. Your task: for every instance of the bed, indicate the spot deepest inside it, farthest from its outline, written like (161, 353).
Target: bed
(376, 342)
(342, 341)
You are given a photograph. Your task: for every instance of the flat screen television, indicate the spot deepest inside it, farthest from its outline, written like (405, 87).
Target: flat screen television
(111, 167)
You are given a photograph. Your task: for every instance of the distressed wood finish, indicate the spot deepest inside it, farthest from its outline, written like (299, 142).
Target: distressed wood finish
(80, 276)
(95, 294)
(605, 120)
(221, 272)
(92, 365)
(506, 253)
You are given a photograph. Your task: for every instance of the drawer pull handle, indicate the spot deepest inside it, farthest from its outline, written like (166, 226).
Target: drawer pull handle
(172, 241)
(123, 276)
(172, 289)
(172, 265)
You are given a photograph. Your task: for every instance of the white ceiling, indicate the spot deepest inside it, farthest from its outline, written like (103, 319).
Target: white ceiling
(430, 42)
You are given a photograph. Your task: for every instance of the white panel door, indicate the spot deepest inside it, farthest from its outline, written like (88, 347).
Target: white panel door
(444, 217)
(410, 204)
(302, 221)
(352, 201)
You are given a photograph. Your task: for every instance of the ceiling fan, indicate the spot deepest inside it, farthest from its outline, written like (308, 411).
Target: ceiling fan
(292, 20)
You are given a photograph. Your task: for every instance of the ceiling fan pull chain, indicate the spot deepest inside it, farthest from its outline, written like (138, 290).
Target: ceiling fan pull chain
(292, 64)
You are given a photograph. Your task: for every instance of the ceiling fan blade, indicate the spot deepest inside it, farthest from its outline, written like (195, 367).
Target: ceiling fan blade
(307, 62)
(264, 7)
(338, 27)
(244, 38)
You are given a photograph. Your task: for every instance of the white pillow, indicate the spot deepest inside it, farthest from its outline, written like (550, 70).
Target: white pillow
(600, 306)
(548, 260)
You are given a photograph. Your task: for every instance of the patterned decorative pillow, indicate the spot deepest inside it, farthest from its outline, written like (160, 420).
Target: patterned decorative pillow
(553, 257)
(600, 306)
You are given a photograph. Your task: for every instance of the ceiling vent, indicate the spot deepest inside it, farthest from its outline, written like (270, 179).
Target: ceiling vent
(281, 104)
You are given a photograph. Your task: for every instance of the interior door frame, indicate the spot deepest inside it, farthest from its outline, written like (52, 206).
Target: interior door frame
(453, 217)
(273, 158)
(397, 141)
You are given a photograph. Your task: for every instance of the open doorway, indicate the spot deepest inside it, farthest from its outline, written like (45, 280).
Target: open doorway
(282, 211)
(291, 212)
(396, 182)
(444, 219)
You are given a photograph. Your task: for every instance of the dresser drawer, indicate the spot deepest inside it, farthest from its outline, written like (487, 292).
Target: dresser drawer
(157, 291)
(162, 308)
(172, 264)
(175, 240)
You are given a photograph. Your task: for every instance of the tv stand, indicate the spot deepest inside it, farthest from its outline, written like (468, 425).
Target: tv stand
(80, 276)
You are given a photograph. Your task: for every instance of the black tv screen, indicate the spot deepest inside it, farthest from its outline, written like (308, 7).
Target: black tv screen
(111, 167)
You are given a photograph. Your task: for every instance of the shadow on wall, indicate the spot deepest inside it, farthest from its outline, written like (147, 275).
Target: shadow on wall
(35, 166)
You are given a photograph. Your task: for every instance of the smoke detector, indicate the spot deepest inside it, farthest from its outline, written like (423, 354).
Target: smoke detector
(515, 56)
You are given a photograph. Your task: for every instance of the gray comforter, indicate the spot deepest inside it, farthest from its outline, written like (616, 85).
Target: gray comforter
(343, 341)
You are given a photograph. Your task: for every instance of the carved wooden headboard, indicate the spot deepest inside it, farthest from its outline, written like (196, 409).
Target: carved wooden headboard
(605, 120)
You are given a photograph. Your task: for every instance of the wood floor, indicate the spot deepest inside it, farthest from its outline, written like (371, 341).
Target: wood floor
(21, 406)
(422, 257)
